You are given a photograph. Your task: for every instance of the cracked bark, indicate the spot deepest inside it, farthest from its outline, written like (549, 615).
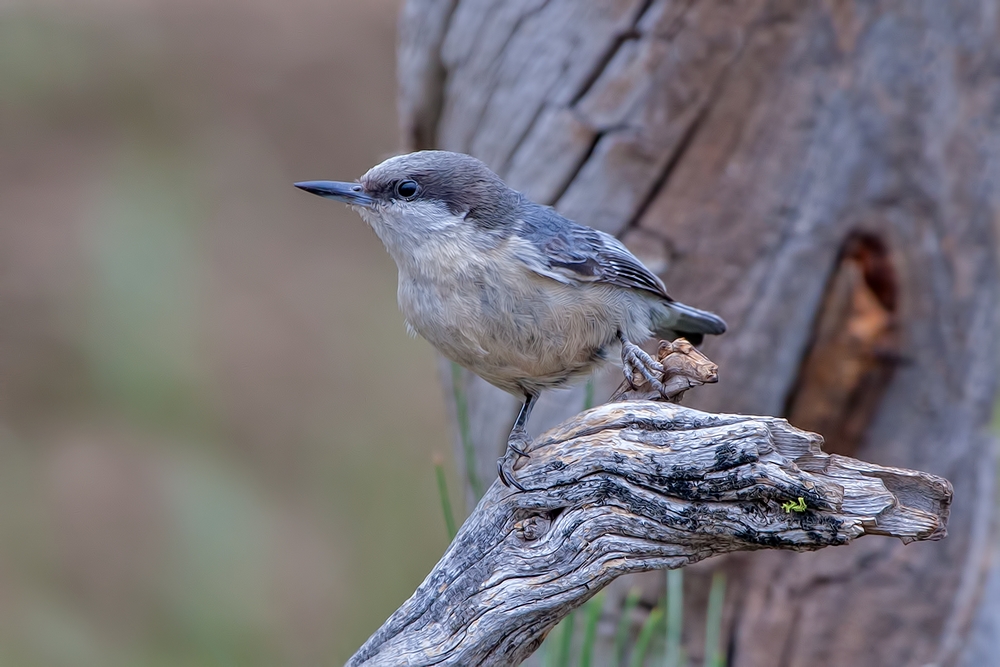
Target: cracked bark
(812, 124)
(635, 486)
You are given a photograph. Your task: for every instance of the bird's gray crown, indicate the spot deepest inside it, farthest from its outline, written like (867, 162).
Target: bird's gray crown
(463, 184)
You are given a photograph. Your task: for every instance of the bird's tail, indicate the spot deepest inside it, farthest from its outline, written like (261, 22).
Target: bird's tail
(673, 319)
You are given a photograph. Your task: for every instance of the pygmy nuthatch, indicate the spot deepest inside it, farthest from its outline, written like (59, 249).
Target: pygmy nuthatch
(507, 288)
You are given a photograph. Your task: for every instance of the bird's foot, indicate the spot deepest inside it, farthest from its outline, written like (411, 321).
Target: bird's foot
(637, 360)
(517, 447)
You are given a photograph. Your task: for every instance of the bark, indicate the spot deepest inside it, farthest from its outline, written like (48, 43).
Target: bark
(635, 486)
(822, 174)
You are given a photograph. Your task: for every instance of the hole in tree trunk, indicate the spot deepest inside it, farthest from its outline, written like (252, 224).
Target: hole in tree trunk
(854, 348)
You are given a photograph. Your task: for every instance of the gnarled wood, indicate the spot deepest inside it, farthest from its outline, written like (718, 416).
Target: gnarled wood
(684, 367)
(634, 486)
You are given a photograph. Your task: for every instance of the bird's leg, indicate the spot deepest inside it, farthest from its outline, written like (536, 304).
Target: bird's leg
(634, 358)
(517, 444)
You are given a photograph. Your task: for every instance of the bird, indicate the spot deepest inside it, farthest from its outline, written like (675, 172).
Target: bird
(507, 288)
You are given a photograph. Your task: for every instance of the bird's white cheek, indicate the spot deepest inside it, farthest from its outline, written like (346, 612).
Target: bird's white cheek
(368, 215)
(421, 217)
(416, 223)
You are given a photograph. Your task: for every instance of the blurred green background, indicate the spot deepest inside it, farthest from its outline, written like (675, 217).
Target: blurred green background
(215, 436)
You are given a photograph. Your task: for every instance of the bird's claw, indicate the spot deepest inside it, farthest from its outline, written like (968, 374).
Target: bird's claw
(517, 446)
(505, 471)
(634, 358)
(517, 450)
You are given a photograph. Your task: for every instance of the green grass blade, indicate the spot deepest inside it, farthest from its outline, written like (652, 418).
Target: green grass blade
(713, 621)
(675, 616)
(593, 609)
(588, 396)
(545, 653)
(565, 641)
(624, 621)
(464, 430)
(449, 516)
(645, 636)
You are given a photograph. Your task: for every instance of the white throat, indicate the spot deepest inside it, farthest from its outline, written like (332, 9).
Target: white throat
(420, 236)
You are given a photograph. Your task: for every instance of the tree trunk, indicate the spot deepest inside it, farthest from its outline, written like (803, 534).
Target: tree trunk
(825, 176)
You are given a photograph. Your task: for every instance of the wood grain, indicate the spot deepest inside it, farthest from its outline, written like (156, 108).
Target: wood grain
(634, 486)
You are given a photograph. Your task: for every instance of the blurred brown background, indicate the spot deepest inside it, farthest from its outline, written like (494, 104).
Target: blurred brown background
(215, 436)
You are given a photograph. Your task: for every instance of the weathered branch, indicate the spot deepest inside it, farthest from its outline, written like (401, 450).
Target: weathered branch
(635, 486)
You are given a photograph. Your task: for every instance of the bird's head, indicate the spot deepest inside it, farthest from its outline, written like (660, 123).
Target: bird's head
(410, 199)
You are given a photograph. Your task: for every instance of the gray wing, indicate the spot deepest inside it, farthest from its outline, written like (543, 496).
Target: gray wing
(563, 250)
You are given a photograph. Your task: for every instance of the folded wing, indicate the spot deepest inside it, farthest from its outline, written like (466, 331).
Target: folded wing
(563, 250)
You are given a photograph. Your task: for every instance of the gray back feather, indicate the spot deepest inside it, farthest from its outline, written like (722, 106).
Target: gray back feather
(572, 252)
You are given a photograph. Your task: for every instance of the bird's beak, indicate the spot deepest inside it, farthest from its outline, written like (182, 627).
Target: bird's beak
(349, 193)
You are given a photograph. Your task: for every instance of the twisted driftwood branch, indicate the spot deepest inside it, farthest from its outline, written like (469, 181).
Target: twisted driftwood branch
(634, 486)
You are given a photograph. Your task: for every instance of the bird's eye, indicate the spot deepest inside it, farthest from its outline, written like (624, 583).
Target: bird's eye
(406, 189)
